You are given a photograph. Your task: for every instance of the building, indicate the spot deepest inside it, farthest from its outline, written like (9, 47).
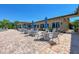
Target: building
(61, 22)
(57, 22)
(23, 25)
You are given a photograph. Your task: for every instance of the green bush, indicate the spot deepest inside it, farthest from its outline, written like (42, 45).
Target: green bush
(75, 24)
(50, 29)
(76, 29)
(7, 24)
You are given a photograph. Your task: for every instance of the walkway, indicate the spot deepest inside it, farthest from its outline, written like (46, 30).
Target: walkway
(74, 43)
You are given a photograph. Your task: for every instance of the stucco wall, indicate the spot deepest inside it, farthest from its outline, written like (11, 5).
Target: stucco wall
(64, 21)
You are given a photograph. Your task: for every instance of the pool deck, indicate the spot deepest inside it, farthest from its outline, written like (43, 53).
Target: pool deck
(15, 42)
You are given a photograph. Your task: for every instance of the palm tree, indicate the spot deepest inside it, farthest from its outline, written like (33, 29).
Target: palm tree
(5, 23)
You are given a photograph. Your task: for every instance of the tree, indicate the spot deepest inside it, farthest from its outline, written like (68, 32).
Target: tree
(76, 25)
(5, 23)
(0, 24)
(15, 24)
(11, 25)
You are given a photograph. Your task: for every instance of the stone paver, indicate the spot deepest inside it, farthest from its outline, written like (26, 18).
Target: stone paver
(13, 41)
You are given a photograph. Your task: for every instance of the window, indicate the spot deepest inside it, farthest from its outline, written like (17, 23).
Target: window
(24, 26)
(57, 24)
(53, 25)
(34, 26)
(37, 26)
(19, 26)
(29, 26)
(47, 25)
(41, 25)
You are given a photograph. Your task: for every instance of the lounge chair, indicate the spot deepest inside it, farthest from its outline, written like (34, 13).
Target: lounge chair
(48, 36)
(31, 33)
(42, 36)
(21, 30)
(54, 35)
(25, 31)
(38, 36)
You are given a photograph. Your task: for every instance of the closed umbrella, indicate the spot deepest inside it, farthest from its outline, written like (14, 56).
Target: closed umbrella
(33, 24)
(46, 24)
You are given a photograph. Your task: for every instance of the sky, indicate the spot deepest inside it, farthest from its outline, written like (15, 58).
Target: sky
(35, 12)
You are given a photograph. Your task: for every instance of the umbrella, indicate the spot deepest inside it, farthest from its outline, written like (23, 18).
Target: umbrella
(46, 24)
(33, 24)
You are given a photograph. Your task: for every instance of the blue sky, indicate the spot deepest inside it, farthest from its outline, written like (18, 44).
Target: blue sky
(36, 12)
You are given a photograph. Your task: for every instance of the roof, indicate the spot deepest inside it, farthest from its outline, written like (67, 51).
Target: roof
(58, 17)
(23, 23)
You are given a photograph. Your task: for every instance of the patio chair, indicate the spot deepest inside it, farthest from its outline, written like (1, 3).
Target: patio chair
(25, 31)
(21, 30)
(54, 35)
(46, 36)
(38, 36)
(31, 33)
(42, 36)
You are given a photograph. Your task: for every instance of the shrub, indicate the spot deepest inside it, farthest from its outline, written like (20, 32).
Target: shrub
(50, 29)
(76, 29)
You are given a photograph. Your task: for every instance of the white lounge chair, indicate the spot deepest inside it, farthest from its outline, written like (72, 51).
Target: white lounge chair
(25, 31)
(54, 37)
(42, 36)
(31, 33)
(48, 36)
